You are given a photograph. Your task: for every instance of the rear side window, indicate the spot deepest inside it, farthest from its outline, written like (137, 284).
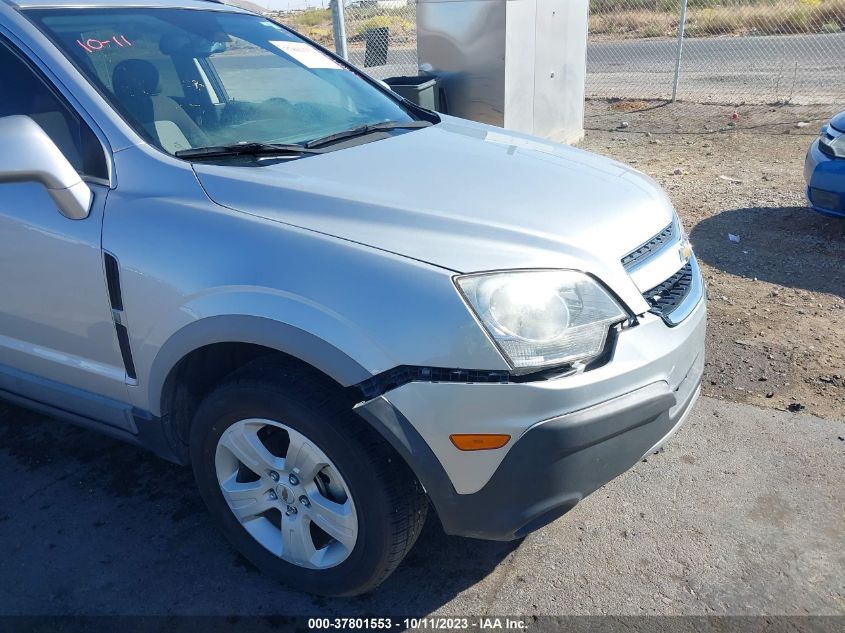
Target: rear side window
(30, 95)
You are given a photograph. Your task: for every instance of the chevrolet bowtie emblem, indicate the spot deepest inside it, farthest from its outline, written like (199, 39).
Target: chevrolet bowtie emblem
(685, 251)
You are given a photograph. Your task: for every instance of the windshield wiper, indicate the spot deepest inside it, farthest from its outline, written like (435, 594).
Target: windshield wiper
(246, 149)
(363, 130)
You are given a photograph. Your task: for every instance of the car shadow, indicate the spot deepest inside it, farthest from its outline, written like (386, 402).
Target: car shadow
(92, 526)
(788, 246)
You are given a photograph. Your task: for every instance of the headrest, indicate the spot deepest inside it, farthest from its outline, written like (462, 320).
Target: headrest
(133, 78)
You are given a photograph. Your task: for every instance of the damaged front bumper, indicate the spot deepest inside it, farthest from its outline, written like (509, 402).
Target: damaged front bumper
(569, 436)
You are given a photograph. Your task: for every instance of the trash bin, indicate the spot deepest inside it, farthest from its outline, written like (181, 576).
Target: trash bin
(378, 40)
(424, 90)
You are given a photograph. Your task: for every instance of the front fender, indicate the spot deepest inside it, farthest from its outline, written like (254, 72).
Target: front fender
(194, 274)
(309, 332)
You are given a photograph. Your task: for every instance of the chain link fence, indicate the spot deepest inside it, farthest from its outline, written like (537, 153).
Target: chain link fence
(769, 61)
(380, 35)
(726, 62)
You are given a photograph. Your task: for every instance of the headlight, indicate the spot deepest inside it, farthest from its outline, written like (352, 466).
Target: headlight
(685, 248)
(542, 318)
(677, 220)
(832, 142)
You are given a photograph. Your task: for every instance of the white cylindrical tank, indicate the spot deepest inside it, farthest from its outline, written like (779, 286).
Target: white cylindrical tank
(520, 64)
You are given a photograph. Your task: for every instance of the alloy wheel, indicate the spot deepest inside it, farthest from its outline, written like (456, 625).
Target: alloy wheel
(286, 493)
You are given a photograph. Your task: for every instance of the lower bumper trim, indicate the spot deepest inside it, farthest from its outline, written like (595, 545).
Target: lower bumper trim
(665, 439)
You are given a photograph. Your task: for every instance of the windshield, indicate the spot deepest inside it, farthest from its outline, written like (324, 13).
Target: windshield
(190, 78)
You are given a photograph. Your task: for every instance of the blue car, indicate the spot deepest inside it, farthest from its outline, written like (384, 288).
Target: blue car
(824, 169)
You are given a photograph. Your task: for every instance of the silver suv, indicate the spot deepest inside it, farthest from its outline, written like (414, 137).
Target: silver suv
(223, 243)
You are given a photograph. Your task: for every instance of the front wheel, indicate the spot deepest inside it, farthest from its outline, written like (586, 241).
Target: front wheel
(301, 486)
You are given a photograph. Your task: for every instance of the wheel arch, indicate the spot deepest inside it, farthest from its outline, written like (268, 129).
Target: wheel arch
(259, 332)
(199, 356)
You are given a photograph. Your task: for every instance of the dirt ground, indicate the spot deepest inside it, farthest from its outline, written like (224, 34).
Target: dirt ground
(776, 334)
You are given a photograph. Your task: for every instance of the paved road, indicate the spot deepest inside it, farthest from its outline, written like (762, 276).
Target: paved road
(803, 68)
(741, 514)
(400, 62)
(810, 52)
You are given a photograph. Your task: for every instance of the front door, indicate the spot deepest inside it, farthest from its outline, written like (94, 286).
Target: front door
(57, 336)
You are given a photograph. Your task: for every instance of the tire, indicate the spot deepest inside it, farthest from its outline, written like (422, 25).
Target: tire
(364, 495)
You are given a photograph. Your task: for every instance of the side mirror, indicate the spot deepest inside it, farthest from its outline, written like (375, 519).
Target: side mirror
(29, 155)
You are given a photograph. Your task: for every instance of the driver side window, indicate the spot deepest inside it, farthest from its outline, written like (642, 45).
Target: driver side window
(30, 95)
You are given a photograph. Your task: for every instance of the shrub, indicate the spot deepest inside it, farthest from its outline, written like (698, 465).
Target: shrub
(376, 22)
(314, 17)
(635, 23)
(397, 25)
(652, 18)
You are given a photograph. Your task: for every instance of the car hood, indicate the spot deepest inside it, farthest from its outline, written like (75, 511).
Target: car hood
(460, 195)
(838, 122)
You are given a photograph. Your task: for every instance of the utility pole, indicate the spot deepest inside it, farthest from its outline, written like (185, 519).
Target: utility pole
(681, 28)
(339, 28)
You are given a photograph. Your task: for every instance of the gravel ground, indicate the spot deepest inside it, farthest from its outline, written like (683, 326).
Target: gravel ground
(741, 514)
(777, 296)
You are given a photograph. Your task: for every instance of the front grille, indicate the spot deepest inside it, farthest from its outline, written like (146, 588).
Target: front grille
(649, 248)
(665, 298)
(826, 140)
